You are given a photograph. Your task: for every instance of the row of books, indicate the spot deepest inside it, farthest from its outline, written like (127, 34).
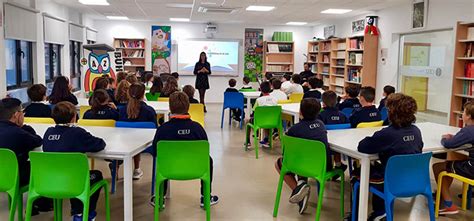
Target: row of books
(339, 62)
(468, 88)
(277, 48)
(129, 44)
(326, 69)
(325, 46)
(326, 80)
(339, 81)
(341, 54)
(468, 53)
(341, 46)
(356, 43)
(355, 58)
(314, 68)
(134, 54)
(469, 70)
(470, 33)
(326, 58)
(315, 48)
(339, 71)
(278, 68)
(354, 75)
(313, 58)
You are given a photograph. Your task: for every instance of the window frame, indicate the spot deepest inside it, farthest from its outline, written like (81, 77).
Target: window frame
(51, 61)
(20, 83)
(75, 62)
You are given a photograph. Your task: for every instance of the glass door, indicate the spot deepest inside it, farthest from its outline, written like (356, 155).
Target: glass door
(426, 71)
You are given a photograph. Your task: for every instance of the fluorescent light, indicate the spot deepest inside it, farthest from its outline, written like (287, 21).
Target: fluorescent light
(296, 23)
(260, 8)
(336, 11)
(117, 17)
(180, 19)
(94, 2)
(178, 5)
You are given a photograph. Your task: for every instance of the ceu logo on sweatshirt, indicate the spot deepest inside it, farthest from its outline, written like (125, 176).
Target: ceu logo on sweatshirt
(184, 132)
(335, 118)
(373, 114)
(54, 137)
(314, 126)
(101, 112)
(409, 138)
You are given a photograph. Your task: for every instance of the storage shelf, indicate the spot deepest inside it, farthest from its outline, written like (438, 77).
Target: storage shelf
(313, 52)
(339, 49)
(282, 53)
(337, 85)
(279, 42)
(312, 62)
(355, 65)
(325, 62)
(339, 58)
(466, 40)
(465, 58)
(464, 95)
(325, 74)
(338, 75)
(356, 50)
(279, 63)
(457, 112)
(325, 51)
(353, 82)
(339, 67)
(465, 78)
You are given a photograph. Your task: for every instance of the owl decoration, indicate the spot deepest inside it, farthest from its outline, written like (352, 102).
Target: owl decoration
(99, 65)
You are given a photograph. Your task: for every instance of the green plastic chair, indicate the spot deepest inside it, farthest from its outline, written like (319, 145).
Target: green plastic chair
(307, 158)
(54, 176)
(183, 160)
(152, 97)
(10, 182)
(247, 90)
(265, 117)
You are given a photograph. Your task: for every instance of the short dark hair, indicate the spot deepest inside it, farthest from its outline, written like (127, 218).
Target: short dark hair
(232, 82)
(179, 103)
(189, 90)
(368, 93)
(314, 82)
(389, 89)
(276, 84)
(310, 108)
(287, 76)
(102, 83)
(8, 107)
(296, 78)
(63, 112)
(246, 79)
(329, 98)
(352, 90)
(265, 87)
(36, 92)
(268, 75)
(175, 75)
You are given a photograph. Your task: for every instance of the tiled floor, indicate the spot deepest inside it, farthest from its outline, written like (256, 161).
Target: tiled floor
(246, 188)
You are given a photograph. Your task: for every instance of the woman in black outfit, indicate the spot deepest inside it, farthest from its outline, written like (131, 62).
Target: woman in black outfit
(62, 91)
(202, 70)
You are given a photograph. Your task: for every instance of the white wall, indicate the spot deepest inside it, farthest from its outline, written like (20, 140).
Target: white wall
(179, 31)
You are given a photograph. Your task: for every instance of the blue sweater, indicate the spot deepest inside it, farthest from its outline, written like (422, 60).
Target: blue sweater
(147, 114)
(392, 141)
(331, 115)
(312, 94)
(364, 114)
(350, 103)
(464, 136)
(71, 139)
(38, 110)
(104, 113)
(382, 103)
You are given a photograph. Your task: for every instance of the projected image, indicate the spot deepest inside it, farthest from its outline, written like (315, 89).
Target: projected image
(222, 55)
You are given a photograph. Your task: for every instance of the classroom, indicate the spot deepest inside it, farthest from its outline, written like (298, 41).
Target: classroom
(255, 110)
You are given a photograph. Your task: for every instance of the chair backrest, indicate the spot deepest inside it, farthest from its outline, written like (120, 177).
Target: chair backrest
(152, 97)
(183, 160)
(142, 125)
(296, 97)
(347, 111)
(54, 176)
(304, 157)
(39, 120)
(284, 102)
(82, 110)
(233, 100)
(384, 113)
(164, 99)
(338, 126)
(268, 117)
(196, 111)
(370, 124)
(8, 171)
(408, 175)
(247, 90)
(97, 123)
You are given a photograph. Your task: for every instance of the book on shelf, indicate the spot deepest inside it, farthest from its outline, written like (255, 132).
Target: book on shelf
(313, 58)
(326, 80)
(470, 33)
(460, 122)
(285, 48)
(340, 63)
(469, 70)
(129, 44)
(355, 58)
(356, 43)
(341, 54)
(341, 46)
(339, 81)
(315, 48)
(340, 71)
(326, 46)
(273, 48)
(468, 52)
(314, 68)
(354, 75)
(468, 88)
(338, 90)
(278, 68)
(326, 69)
(326, 58)
(134, 54)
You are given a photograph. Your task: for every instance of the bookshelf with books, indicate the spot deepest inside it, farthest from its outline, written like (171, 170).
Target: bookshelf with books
(337, 64)
(463, 71)
(361, 60)
(278, 57)
(324, 62)
(312, 56)
(133, 53)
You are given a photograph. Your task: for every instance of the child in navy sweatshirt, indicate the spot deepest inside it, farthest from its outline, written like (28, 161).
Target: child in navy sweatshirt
(387, 91)
(102, 107)
(459, 164)
(311, 128)
(172, 130)
(330, 113)
(401, 137)
(313, 92)
(350, 97)
(66, 137)
(368, 112)
(37, 108)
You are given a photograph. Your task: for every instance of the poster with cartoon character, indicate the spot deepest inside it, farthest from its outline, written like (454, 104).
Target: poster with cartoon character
(98, 61)
(253, 53)
(161, 49)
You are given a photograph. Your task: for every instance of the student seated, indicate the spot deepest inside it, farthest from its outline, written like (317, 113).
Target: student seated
(170, 87)
(311, 128)
(137, 111)
(37, 108)
(387, 90)
(458, 164)
(102, 107)
(401, 137)
(103, 83)
(180, 120)
(307, 73)
(350, 97)
(330, 113)
(286, 83)
(189, 90)
(246, 83)
(235, 112)
(67, 137)
(121, 94)
(268, 76)
(148, 80)
(277, 93)
(295, 85)
(368, 112)
(62, 91)
(157, 85)
(313, 92)
(132, 78)
(175, 75)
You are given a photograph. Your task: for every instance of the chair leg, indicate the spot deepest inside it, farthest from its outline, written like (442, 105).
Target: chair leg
(438, 193)
(13, 201)
(355, 190)
(320, 199)
(222, 118)
(342, 194)
(242, 118)
(469, 198)
(85, 211)
(349, 161)
(114, 176)
(255, 141)
(389, 208)
(59, 210)
(107, 202)
(247, 137)
(465, 188)
(207, 197)
(159, 190)
(278, 193)
(20, 206)
(431, 205)
(153, 177)
(230, 116)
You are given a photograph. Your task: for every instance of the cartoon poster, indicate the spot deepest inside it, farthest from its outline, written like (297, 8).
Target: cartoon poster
(98, 60)
(253, 53)
(161, 49)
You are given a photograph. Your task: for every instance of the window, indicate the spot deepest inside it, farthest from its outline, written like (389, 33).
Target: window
(75, 54)
(52, 61)
(19, 64)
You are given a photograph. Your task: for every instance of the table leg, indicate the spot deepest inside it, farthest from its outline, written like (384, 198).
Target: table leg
(249, 108)
(167, 117)
(128, 188)
(297, 118)
(364, 188)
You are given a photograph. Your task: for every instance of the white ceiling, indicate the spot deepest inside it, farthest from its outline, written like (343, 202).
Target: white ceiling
(285, 11)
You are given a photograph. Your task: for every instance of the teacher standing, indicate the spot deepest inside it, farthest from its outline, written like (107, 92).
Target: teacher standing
(202, 70)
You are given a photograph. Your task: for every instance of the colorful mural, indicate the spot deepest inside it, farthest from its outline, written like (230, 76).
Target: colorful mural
(253, 58)
(161, 49)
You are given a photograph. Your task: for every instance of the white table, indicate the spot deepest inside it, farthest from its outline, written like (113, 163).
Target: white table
(346, 142)
(119, 146)
(293, 110)
(250, 95)
(161, 107)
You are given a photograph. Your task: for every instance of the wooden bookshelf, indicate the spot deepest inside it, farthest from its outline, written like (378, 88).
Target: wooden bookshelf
(324, 62)
(337, 65)
(361, 60)
(133, 53)
(462, 81)
(279, 57)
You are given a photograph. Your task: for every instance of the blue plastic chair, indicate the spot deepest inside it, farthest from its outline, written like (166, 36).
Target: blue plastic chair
(140, 125)
(338, 126)
(347, 111)
(405, 176)
(233, 100)
(384, 113)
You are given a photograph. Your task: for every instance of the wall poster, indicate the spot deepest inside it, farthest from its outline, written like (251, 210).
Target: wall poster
(253, 58)
(161, 49)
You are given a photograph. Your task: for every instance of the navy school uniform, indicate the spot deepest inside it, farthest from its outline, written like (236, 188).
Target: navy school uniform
(331, 115)
(71, 98)
(350, 103)
(193, 100)
(147, 114)
(382, 103)
(105, 112)
(313, 93)
(364, 114)
(37, 109)
(231, 89)
(464, 136)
